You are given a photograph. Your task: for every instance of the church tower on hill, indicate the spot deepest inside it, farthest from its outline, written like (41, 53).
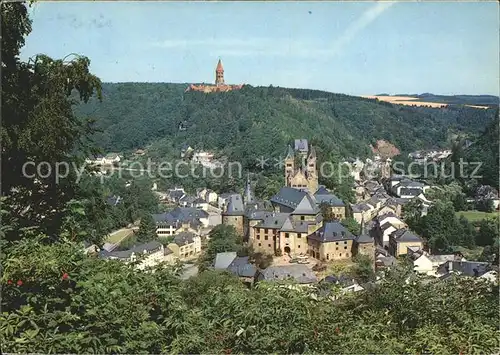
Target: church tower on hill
(220, 84)
(219, 74)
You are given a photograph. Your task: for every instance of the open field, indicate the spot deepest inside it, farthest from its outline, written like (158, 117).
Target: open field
(477, 215)
(412, 101)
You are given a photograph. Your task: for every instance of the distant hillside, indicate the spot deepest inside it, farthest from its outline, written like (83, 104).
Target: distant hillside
(485, 150)
(260, 121)
(486, 100)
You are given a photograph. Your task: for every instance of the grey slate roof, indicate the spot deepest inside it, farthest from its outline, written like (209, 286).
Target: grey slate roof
(331, 232)
(295, 226)
(274, 220)
(301, 145)
(300, 273)
(466, 268)
(308, 205)
(180, 215)
(288, 196)
(364, 238)
(360, 207)
(242, 268)
(175, 194)
(235, 206)
(405, 235)
(325, 196)
(289, 153)
(223, 260)
(409, 192)
(184, 238)
(148, 247)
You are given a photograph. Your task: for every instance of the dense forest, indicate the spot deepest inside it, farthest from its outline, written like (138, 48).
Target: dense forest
(260, 121)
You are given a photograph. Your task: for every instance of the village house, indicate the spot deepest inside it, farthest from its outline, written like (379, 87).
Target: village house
(426, 264)
(401, 239)
(331, 242)
(362, 212)
(300, 274)
(150, 254)
(180, 219)
(237, 265)
(385, 225)
(462, 268)
(337, 206)
(186, 245)
(175, 194)
(208, 195)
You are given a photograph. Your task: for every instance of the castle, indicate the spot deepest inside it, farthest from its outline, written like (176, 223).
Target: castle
(300, 167)
(220, 85)
(291, 222)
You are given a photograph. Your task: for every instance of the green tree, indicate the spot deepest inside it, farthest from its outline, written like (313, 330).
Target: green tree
(487, 232)
(326, 212)
(412, 212)
(352, 225)
(363, 270)
(222, 238)
(147, 229)
(38, 125)
(467, 232)
(440, 226)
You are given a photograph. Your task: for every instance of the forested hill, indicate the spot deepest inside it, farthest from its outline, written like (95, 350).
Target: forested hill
(259, 121)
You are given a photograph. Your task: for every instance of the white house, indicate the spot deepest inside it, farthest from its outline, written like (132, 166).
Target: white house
(428, 264)
(151, 254)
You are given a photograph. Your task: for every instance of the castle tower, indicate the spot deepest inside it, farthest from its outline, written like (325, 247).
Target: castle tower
(312, 175)
(219, 74)
(289, 165)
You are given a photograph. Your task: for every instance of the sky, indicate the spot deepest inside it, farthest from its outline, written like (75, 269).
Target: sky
(357, 48)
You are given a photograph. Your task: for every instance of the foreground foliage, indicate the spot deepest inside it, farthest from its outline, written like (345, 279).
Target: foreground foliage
(55, 299)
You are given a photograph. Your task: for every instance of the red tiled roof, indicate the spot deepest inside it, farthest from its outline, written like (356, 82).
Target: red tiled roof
(219, 67)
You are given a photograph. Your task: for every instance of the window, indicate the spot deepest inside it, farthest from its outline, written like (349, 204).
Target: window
(265, 237)
(337, 248)
(287, 235)
(298, 246)
(340, 254)
(289, 165)
(299, 235)
(345, 242)
(259, 244)
(327, 256)
(258, 237)
(265, 230)
(347, 255)
(269, 245)
(336, 243)
(302, 218)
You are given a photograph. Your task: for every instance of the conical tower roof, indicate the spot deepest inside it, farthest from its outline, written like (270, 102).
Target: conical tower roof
(312, 153)
(289, 153)
(220, 68)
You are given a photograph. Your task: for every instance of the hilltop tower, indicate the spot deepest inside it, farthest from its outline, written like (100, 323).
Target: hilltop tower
(219, 74)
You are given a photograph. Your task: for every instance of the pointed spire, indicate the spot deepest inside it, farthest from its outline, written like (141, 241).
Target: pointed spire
(248, 190)
(219, 67)
(290, 153)
(312, 153)
(362, 230)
